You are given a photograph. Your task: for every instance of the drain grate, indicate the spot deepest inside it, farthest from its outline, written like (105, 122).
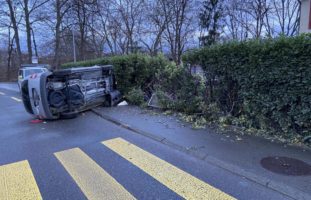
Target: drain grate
(286, 166)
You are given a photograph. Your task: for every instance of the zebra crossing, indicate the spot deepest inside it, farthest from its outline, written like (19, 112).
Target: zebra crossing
(94, 181)
(17, 180)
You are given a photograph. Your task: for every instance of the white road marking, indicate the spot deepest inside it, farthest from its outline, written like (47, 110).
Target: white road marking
(2, 93)
(16, 99)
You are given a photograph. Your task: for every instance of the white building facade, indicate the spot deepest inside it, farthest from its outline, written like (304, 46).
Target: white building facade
(305, 16)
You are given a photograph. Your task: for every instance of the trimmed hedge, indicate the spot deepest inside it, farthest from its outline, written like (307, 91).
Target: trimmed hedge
(178, 90)
(132, 71)
(262, 84)
(267, 82)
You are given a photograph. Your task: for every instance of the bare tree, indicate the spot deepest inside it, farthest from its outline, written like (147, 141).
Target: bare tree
(286, 13)
(179, 27)
(29, 8)
(130, 15)
(236, 20)
(258, 10)
(61, 7)
(10, 52)
(80, 9)
(156, 22)
(79, 19)
(15, 25)
(110, 27)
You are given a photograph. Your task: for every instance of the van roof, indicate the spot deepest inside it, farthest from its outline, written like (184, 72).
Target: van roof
(35, 66)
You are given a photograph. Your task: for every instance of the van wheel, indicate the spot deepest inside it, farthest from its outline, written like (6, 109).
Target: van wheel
(107, 102)
(68, 115)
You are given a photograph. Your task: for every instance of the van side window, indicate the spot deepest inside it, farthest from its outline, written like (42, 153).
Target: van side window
(20, 73)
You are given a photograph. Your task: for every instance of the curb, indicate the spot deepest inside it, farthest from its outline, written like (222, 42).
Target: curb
(276, 186)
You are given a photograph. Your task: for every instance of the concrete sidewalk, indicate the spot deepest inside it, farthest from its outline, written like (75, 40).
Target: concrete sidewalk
(238, 154)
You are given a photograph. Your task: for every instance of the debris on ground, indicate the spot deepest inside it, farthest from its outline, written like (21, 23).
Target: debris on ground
(36, 121)
(238, 138)
(154, 101)
(123, 103)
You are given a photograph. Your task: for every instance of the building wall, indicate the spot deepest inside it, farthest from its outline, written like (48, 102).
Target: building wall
(305, 16)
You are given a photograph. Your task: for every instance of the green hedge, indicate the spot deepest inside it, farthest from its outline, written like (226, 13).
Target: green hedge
(267, 82)
(132, 71)
(178, 90)
(262, 84)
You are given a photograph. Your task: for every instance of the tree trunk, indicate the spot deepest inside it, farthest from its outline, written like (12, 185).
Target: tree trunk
(57, 34)
(28, 30)
(10, 50)
(34, 43)
(16, 33)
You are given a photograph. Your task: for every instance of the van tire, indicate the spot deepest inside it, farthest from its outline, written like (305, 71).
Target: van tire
(68, 115)
(107, 102)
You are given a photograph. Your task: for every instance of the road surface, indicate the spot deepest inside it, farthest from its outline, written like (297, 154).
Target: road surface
(90, 158)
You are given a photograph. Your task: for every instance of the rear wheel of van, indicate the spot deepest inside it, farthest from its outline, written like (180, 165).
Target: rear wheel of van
(107, 102)
(68, 115)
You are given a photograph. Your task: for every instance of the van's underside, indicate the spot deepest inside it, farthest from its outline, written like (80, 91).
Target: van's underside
(69, 91)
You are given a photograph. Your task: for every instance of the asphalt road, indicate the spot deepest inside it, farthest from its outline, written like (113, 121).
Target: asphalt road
(90, 158)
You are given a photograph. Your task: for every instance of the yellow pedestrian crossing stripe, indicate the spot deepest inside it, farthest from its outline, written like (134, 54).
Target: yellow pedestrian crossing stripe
(17, 182)
(174, 178)
(94, 181)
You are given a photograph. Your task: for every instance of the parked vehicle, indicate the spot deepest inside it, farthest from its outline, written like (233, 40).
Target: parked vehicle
(27, 70)
(65, 93)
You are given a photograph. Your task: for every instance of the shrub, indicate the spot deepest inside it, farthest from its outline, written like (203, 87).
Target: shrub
(136, 96)
(178, 89)
(267, 82)
(132, 71)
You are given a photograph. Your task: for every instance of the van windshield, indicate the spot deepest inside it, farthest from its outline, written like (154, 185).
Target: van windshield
(29, 72)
